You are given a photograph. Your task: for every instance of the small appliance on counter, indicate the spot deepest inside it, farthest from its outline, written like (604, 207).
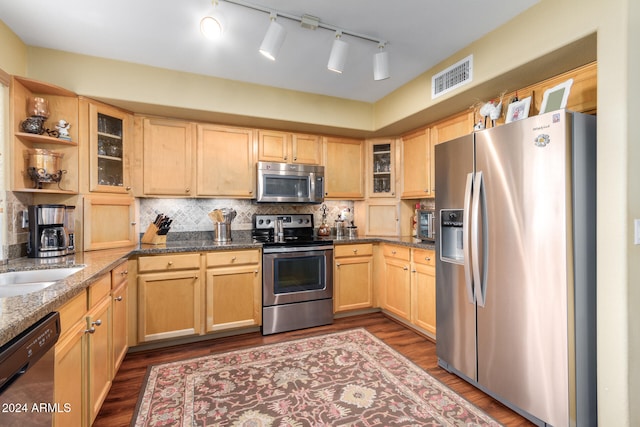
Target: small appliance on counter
(47, 234)
(70, 226)
(426, 225)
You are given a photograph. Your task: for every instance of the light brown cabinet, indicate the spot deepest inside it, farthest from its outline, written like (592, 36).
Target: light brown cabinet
(275, 146)
(353, 277)
(119, 324)
(225, 162)
(397, 286)
(423, 289)
(108, 132)
(417, 165)
(382, 168)
(168, 152)
(169, 296)
(63, 105)
(233, 296)
(109, 221)
(99, 348)
(344, 168)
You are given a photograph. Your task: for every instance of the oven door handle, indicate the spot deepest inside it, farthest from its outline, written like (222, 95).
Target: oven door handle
(293, 249)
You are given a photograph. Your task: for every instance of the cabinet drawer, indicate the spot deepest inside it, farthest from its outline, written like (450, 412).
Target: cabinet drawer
(226, 258)
(119, 274)
(424, 256)
(365, 249)
(99, 289)
(169, 262)
(398, 252)
(73, 311)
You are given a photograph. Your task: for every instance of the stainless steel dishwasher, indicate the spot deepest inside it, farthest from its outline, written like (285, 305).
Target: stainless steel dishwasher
(26, 375)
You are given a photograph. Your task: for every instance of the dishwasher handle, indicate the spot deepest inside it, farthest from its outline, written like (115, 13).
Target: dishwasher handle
(22, 352)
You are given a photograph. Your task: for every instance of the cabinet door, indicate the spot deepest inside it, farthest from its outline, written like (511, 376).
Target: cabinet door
(306, 149)
(119, 325)
(109, 222)
(423, 297)
(417, 165)
(273, 146)
(382, 218)
(225, 162)
(99, 356)
(168, 147)
(109, 133)
(353, 281)
(233, 297)
(69, 376)
(398, 287)
(344, 168)
(382, 169)
(168, 305)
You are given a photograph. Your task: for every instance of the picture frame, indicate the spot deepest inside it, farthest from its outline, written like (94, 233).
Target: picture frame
(556, 97)
(518, 110)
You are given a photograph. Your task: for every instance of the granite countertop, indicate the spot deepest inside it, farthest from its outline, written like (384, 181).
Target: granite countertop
(19, 312)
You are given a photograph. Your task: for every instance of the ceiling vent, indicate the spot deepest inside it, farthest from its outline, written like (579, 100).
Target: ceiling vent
(453, 77)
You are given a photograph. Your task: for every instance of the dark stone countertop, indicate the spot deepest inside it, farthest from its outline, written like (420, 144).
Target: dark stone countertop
(19, 312)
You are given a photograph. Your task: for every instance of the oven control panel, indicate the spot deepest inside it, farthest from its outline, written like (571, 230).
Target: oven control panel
(288, 221)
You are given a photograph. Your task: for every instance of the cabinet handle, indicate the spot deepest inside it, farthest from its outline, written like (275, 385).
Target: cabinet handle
(195, 277)
(337, 264)
(285, 157)
(414, 271)
(124, 273)
(133, 223)
(393, 252)
(96, 323)
(295, 159)
(355, 251)
(187, 190)
(233, 259)
(255, 271)
(128, 188)
(170, 263)
(118, 298)
(427, 258)
(405, 268)
(91, 330)
(250, 191)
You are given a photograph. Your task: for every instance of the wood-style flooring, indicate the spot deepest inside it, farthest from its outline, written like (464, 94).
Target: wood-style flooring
(119, 405)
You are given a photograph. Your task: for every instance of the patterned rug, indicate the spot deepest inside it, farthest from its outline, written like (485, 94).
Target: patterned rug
(347, 378)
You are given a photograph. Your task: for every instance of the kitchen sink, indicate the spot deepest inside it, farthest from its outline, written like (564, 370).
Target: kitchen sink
(15, 283)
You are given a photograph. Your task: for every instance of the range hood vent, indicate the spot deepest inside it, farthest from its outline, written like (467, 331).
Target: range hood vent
(452, 77)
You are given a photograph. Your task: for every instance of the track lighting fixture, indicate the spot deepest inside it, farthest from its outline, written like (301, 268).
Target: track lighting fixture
(381, 63)
(276, 34)
(338, 55)
(273, 39)
(212, 26)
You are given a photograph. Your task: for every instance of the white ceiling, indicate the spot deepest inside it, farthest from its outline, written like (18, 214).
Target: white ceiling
(165, 33)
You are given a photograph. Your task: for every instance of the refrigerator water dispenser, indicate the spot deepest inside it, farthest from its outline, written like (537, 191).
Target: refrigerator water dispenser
(451, 232)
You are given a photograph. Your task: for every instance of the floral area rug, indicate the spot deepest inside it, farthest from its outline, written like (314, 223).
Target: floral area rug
(347, 378)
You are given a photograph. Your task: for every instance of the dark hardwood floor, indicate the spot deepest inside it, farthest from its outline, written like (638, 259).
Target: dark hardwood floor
(119, 405)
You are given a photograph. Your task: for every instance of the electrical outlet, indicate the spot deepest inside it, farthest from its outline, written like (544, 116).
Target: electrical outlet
(25, 219)
(636, 234)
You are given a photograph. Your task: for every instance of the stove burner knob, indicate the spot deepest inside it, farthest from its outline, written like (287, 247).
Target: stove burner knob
(300, 221)
(268, 221)
(260, 221)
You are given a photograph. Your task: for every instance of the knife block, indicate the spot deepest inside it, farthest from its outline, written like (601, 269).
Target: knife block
(151, 236)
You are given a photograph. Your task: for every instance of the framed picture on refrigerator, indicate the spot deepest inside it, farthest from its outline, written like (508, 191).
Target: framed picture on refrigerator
(518, 110)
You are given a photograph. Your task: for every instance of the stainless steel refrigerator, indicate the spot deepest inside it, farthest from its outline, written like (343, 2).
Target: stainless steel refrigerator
(516, 264)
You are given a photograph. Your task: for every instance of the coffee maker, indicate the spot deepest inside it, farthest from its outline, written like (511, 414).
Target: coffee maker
(47, 234)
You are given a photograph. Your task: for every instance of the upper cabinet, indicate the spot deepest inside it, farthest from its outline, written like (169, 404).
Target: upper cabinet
(44, 129)
(416, 165)
(168, 147)
(108, 132)
(344, 168)
(382, 167)
(225, 162)
(274, 146)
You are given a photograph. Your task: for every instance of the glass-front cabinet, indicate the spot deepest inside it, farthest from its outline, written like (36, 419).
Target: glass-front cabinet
(382, 178)
(108, 139)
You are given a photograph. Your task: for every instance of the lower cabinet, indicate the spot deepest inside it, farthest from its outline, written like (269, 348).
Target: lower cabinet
(423, 289)
(83, 368)
(409, 285)
(119, 315)
(169, 296)
(233, 295)
(353, 277)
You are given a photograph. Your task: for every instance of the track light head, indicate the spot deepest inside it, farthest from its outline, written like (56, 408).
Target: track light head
(381, 64)
(338, 55)
(273, 39)
(211, 27)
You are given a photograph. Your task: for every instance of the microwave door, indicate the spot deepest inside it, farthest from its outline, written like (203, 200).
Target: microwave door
(286, 188)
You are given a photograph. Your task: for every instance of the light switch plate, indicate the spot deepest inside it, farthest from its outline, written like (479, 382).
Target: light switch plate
(636, 234)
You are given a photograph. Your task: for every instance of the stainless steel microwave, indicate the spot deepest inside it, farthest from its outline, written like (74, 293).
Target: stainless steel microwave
(289, 183)
(426, 225)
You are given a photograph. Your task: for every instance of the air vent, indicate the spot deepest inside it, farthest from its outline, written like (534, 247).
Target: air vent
(453, 77)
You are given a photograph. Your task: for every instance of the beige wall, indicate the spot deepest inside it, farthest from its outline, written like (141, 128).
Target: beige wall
(547, 27)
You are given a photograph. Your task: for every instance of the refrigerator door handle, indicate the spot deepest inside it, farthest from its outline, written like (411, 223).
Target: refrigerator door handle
(479, 268)
(466, 249)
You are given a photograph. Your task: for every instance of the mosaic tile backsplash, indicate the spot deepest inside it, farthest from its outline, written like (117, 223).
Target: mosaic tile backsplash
(193, 214)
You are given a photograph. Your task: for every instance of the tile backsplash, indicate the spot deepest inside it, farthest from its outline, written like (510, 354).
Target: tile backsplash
(192, 214)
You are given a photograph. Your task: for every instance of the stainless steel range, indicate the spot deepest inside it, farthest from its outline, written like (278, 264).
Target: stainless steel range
(297, 268)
